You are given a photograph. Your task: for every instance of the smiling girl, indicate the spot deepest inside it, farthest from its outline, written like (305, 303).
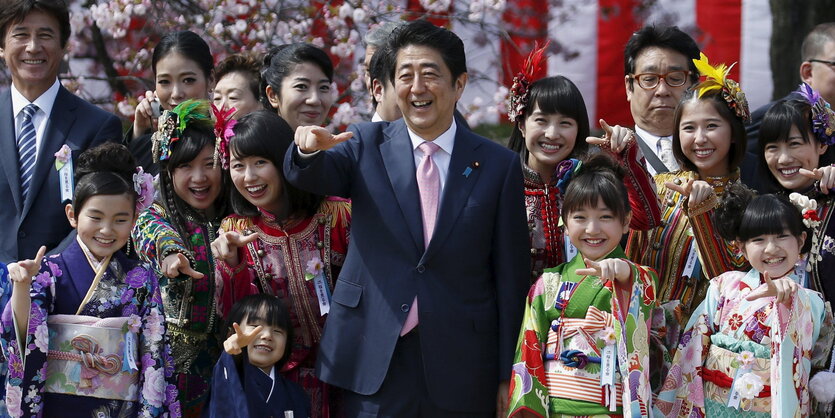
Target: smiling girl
(551, 125)
(749, 346)
(283, 242)
(584, 345)
(174, 234)
(85, 329)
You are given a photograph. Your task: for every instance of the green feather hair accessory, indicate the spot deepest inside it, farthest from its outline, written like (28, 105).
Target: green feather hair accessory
(173, 122)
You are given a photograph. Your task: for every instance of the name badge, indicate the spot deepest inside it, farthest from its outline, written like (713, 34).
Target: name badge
(65, 175)
(570, 249)
(322, 293)
(692, 260)
(734, 398)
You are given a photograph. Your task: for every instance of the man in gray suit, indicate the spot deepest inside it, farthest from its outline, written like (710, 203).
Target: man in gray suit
(38, 117)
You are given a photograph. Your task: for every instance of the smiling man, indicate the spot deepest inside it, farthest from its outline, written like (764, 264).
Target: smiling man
(38, 117)
(427, 308)
(658, 66)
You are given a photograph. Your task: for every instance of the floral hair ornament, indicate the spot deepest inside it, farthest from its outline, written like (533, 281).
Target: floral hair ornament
(566, 171)
(143, 185)
(717, 79)
(823, 118)
(173, 122)
(520, 89)
(223, 133)
(809, 209)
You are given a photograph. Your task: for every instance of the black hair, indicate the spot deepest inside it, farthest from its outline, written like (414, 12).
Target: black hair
(265, 308)
(777, 124)
(667, 37)
(189, 45)
(107, 169)
(599, 177)
(265, 134)
(560, 95)
(14, 12)
(739, 139)
(247, 65)
(281, 61)
(380, 69)
(743, 215)
(197, 135)
(423, 33)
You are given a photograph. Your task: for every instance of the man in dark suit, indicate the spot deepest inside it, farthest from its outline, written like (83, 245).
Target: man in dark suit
(38, 117)
(427, 308)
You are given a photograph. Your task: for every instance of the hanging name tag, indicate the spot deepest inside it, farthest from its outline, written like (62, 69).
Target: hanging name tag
(65, 176)
(801, 271)
(288, 414)
(130, 352)
(607, 365)
(322, 293)
(734, 398)
(692, 260)
(570, 249)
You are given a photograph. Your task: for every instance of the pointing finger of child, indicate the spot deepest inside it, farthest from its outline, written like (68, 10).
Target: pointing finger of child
(592, 268)
(763, 291)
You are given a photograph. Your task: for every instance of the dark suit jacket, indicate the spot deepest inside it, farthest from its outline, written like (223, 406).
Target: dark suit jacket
(40, 220)
(471, 281)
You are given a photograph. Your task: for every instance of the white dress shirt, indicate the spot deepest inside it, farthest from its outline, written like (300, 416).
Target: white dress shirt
(44, 102)
(442, 156)
(654, 143)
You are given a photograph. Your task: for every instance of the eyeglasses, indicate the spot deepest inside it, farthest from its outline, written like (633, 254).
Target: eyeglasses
(650, 81)
(829, 63)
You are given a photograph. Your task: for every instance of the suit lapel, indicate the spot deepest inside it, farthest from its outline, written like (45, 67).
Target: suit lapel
(8, 148)
(457, 188)
(399, 161)
(55, 134)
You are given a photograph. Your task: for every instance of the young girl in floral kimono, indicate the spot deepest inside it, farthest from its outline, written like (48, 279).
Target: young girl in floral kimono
(748, 347)
(283, 242)
(84, 329)
(584, 345)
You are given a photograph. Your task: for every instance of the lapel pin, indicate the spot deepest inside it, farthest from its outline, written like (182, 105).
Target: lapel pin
(469, 170)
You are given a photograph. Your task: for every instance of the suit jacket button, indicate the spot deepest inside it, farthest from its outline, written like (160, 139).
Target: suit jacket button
(404, 307)
(421, 268)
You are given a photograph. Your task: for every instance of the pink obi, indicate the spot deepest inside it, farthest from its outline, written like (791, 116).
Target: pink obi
(90, 356)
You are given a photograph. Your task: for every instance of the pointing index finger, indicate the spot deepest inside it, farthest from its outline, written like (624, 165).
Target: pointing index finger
(41, 253)
(606, 128)
(814, 174)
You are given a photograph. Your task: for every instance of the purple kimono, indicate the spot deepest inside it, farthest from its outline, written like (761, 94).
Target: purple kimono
(127, 294)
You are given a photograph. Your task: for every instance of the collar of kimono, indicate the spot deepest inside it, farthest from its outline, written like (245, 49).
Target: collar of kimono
(584, 294)
(98, 266)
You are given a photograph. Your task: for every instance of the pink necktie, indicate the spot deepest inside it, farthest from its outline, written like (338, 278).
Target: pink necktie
(429, 186)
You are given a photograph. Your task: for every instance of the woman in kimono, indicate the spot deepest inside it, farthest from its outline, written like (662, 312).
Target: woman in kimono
(551, 125)
(709, 144)
(584, 345)
(748, 347)
(283, 242)
(174, 234)
(85, 329)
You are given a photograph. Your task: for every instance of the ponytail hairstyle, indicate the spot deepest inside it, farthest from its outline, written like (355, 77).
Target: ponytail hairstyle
(743, 215)
(107, 169)
(598, 177)
(265, 134)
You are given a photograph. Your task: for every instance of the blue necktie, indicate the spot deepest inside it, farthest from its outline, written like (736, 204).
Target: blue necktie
(26, 149)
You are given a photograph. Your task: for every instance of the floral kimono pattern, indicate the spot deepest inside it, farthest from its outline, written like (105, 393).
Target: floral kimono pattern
(190, 305)
(558, 368)
(288, 263)
(760, 348)
(126, 289)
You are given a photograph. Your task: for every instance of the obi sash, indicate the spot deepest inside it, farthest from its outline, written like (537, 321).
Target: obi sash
(720, 370)
(582, 334)
(87, 358)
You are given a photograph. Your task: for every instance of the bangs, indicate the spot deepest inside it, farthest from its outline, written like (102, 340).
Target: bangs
(778, 121)
(194, 140)
(263, 134)
(586, 191)
(771, 215)
(560, 95)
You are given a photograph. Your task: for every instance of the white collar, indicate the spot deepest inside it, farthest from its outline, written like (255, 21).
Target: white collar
(445, 140)
(95, 263)
(376, 117)
(44, 102)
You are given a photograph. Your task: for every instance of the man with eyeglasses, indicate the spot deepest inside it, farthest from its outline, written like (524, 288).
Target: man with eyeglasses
(818, 70)
(658, 64)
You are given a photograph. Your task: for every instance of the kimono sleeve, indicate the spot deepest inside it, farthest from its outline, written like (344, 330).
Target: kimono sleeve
(643, 199)
(528, 384)
(157, 392)
(155, 238)
(26, 354)
(232, 282)
(716, 255)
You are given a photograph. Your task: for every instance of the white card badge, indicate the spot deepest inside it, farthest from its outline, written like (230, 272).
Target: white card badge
(570, 249)
(131, 350)
(692, 259)
(322, 293)
(65, 175)
(607, 365)
(734, 397)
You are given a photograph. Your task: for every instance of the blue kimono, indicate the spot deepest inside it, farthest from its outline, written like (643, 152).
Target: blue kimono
(253, 393)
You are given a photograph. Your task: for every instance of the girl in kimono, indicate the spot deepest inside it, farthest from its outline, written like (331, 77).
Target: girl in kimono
(584, 345)
(85, 330)
(174, 234)
(748, 347)
(247, 378)
(283, 242)
(551, 125)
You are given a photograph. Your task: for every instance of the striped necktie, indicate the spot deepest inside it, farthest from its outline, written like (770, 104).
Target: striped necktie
(26, 149)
